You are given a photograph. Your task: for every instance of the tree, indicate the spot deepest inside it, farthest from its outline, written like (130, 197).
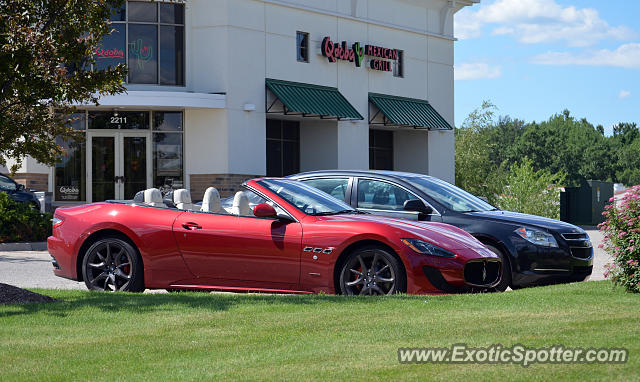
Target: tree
(46, 56)
(532, 192)
(474, 170)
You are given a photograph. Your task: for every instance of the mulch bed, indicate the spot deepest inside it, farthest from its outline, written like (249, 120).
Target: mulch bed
(14, 295)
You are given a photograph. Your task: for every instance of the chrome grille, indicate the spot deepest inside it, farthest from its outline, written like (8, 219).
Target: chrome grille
(579, 245)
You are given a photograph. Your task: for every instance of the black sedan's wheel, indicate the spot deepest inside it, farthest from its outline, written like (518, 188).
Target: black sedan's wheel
(506, 269)
(372, 271)
(113, 265)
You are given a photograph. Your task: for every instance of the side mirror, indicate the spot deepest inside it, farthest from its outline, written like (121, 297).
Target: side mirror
(20, 187)
(264, 210)
(417, 206)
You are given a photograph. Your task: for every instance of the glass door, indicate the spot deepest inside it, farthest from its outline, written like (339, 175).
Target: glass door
(135, 169)
(120, 164)
(103, 168)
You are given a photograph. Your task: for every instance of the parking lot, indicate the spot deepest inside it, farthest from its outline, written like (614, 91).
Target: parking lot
(32, 269)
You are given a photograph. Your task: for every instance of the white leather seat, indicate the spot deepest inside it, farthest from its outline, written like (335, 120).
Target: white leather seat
(153, 197)
(211, 200)
(182, 199)
(241, 205)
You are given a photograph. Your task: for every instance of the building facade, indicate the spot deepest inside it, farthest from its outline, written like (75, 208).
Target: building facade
(220, 91)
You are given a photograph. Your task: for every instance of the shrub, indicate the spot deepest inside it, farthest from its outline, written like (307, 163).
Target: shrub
(21, 222)
(532, 192)
(621, 230)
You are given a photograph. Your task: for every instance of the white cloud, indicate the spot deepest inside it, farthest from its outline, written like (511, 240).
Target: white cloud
(624, 94)
(626, 56)
(476, 71)
(537, 21)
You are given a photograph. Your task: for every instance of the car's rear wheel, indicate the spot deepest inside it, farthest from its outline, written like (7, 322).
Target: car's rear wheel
(372, 271)
(113, 265)
(505, 281)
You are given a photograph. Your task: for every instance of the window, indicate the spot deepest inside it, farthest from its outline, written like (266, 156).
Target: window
(334, 187)
(167, 150)
(70, 170)
(150, 37)
(398, 65)
(378, 195)
(380, 150)
(302, 46)
(283, 147)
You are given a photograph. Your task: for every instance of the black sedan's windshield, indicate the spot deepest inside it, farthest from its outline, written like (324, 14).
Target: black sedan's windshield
(307, 199)
(450, 196)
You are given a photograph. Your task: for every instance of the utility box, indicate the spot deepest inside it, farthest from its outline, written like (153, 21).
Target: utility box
(584, 205)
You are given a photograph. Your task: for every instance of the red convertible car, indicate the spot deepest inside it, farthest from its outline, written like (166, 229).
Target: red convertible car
(279, 235)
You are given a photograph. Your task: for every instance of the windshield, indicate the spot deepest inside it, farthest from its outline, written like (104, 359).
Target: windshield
(7, 184)
(307, 199)
(450, 196)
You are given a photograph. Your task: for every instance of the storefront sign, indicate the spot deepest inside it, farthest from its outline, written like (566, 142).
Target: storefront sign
(102, 53)
(356, 53)
(68, 193)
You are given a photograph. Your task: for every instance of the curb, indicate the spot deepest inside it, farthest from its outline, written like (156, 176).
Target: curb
(37, 246)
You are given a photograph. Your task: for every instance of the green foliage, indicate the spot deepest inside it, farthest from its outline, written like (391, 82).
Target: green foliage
(532, 192)
(46, 52)
(475, 171)
(486, 149)
(21, 222)
(621, 230)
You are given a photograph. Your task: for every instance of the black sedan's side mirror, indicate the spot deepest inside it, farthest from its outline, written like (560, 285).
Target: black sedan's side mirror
(417, 206)
(20, 187)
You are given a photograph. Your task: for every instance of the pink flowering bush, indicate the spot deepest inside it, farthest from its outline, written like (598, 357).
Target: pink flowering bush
(621, 230)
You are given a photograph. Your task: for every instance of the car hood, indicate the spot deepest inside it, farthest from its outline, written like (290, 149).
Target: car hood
(526, 219)
(443, 235)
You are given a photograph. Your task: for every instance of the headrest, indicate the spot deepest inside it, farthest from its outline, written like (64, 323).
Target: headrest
(241, 204)
(153, 197)
(211, 200)
(182, 199)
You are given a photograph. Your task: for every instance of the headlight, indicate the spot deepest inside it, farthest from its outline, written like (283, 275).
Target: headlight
(426, 248)
(537, 237)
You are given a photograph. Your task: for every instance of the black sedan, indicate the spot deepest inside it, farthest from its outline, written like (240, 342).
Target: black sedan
(17, 192)
(534, 250)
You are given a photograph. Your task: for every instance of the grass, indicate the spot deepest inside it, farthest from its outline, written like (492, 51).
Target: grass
(197, 336)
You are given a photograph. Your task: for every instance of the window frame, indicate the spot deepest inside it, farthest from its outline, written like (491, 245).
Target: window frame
(158, 24)
(347, 193)
(373, 148)
(300, 48)
(398, 65)
(354, 196)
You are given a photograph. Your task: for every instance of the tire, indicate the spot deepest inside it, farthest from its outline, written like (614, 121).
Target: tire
(505, 281)
(113, 265)
(372, 270)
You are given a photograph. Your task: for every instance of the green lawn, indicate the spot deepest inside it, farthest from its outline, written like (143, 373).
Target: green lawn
(198, 336)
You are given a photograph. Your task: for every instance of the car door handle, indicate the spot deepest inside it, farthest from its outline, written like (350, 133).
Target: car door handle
(191, 226)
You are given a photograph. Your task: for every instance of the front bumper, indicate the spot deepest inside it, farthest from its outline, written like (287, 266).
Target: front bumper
(470, 270)
(571, 261)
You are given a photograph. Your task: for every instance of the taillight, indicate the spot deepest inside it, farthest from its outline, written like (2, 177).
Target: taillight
(57, 221)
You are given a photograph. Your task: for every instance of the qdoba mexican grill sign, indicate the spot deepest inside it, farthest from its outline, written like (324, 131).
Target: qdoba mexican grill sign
(381, 60)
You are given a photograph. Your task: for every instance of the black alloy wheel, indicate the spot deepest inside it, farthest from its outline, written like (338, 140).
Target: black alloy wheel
(372, 271)
(113, 265)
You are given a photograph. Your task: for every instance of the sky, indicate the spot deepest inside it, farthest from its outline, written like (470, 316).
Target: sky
(535, 58)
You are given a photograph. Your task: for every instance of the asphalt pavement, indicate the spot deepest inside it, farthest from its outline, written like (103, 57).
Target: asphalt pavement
(33, 269)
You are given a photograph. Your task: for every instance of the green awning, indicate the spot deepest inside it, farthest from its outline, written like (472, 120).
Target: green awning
(311, 100)
(400, 111)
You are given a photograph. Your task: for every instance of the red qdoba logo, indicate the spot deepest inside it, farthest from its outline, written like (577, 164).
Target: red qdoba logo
(109, 53)
(334, 51)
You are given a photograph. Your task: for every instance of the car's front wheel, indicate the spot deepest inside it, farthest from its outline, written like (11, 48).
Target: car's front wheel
(372, 270)
(113, 265)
